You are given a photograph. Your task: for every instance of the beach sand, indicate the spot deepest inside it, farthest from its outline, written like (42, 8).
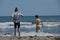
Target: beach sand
(30, 38)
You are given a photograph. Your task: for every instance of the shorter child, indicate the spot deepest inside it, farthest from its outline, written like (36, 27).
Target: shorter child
(37, 23)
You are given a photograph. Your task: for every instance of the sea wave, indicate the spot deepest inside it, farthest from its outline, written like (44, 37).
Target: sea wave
(29, 24)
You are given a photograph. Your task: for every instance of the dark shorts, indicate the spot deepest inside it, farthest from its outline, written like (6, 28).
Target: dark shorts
(16, 25)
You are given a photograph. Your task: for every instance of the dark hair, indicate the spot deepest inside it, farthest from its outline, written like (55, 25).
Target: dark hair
(16, 9)
(36, 16)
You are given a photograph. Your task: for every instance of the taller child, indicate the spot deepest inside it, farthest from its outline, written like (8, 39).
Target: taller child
(16, 19)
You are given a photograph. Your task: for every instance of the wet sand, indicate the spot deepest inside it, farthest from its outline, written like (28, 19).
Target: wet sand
(30, 38)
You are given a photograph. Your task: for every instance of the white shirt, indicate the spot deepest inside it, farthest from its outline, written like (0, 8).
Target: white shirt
(16, 16)
(38, 21)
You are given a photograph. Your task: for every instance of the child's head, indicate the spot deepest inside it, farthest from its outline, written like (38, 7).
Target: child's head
(36, 16)
(16, 9)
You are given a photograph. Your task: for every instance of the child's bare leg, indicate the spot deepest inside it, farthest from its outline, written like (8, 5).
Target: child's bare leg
(18, 31)
(14, 31)
(36, 30)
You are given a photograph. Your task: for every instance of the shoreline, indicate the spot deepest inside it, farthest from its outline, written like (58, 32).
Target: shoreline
(30, 38)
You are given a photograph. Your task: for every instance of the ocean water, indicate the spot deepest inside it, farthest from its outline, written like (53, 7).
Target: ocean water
(51, 26)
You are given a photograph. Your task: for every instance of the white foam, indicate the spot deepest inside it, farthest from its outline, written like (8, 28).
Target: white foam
(7, 23)
(51, 24)
(33, 34)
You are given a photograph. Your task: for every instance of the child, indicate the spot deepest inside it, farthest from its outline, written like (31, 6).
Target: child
(37, 23)
(16, 19)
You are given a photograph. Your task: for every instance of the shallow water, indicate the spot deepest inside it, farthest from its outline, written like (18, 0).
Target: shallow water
(29, 28)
